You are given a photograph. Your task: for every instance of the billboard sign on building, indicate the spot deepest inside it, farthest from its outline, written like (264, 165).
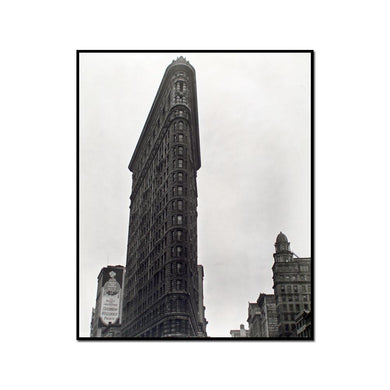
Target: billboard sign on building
(110, 311)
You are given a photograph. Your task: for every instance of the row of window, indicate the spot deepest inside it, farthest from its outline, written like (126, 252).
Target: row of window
(178, 190)
(293, 298)
(181, 86)
(179, 163)
(295, 308)
(177, 219)
(295, 288)
(178, 251)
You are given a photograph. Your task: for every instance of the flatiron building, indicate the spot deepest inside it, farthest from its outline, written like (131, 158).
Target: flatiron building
(163, 284)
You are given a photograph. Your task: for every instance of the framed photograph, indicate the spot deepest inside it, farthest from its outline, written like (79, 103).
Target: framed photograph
(195, 195)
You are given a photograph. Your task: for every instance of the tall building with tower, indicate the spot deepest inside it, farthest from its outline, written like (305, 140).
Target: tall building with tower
(164, 285)
(292, 286)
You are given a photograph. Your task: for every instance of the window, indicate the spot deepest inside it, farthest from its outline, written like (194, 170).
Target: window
(180, 205)
(180, 177)
(179, 251)
(180, 163)
(181, 137)
(180, 268)
(180, 190)
(180, 150)
(179, 235)
(179, 219)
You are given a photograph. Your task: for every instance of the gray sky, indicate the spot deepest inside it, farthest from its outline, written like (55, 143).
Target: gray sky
(254, 124)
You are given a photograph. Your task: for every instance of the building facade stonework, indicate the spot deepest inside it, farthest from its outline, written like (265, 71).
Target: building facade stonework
(254, 320)
(269, 319)
(303, 324)
(163, 291)
(262, 317)
(292, 286)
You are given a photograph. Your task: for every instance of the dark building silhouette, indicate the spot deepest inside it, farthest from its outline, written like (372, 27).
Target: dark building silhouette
(163, 289)
(107, 316)
(292, 286)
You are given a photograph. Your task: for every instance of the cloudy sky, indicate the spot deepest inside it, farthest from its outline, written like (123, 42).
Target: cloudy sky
(254, 123)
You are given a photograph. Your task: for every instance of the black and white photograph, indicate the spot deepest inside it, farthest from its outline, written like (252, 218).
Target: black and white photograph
(195, 195)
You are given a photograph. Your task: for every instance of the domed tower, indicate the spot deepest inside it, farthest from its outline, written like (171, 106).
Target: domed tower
(282, 249)
(292, 286)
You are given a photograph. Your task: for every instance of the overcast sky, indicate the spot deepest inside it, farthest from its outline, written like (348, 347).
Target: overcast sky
(254, 124)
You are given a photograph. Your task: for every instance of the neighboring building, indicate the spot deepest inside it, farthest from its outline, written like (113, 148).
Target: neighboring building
(262, 318)
(201, 307)
(162, 297)
(242, 332)
(109, 297)
(254, 320)
(268, 316)
(111, 331)
(303, 324)
(292, 286)
(92, 322)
